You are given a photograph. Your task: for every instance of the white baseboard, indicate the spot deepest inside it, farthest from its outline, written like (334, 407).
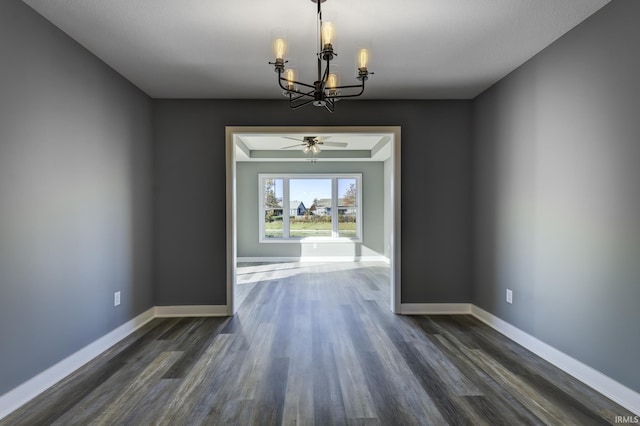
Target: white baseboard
(191, 311)
(33, 387)
(269, 259)
(435, 308)
(628, 398)
(304, 259)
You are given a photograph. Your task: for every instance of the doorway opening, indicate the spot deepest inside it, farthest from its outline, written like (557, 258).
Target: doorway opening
(275, 148)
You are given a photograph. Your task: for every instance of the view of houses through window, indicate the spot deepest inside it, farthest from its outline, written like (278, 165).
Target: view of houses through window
(325, 206)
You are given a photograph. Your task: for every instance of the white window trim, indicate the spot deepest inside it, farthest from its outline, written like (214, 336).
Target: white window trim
(334, 207)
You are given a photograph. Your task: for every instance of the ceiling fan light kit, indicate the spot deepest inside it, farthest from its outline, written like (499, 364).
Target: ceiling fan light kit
(325, 91)
(312, 144)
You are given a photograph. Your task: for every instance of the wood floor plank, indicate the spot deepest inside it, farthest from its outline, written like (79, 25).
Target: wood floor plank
(546, 378)
(94, 396)
(271, 393)
(316, 344)
(488, 411)
(457, 383)
(328, 404)
(517, 414)
(353, 383)
(240, 412)
(383, 371)
(542, 387)
(298, 405)
(251, 372)
(152, 402)
(538, 404)
(185, 398)
(454, 411)
(193, 345)
(130, 396)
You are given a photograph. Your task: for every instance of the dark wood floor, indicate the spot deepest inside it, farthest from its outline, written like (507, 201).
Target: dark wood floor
(317, 345)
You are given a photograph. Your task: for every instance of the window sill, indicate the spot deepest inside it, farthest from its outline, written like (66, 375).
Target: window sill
(311, 240)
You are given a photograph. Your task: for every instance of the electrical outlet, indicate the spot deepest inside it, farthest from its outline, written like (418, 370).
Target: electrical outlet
(509, 296)
(116, 298)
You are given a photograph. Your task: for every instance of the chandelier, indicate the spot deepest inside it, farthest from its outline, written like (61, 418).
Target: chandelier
(325, 91)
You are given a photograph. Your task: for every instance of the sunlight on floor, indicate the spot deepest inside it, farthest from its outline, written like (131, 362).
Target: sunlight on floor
(321, 275)
(248, 273)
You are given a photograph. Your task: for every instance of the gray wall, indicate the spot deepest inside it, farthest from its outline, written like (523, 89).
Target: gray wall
(190, 249)
(75, 196)
(557, 194)
(372, 210)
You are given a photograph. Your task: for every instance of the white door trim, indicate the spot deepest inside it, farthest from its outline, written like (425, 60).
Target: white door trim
(231, 202)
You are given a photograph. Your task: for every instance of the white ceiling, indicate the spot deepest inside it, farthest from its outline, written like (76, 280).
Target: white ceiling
(422, 49)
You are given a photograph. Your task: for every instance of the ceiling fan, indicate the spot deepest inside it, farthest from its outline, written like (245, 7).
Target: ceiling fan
(311, 143)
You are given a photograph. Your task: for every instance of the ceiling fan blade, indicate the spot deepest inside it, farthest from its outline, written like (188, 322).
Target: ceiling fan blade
(337, 144)
(298, 145)
(293, 139)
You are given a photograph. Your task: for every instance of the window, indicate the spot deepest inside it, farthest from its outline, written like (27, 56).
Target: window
(302, 206)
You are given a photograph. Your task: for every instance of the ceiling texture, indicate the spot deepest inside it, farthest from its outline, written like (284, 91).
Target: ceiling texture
(421, 49)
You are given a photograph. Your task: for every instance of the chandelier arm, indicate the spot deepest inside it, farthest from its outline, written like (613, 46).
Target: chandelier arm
(294, 82)
(353, 86)
(293, 106)
(330, 105)
(300, 95)
(352, 95)
(281, 79)
(355, 95)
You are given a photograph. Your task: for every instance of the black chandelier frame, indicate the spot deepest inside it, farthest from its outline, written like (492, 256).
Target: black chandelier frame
(319, 94)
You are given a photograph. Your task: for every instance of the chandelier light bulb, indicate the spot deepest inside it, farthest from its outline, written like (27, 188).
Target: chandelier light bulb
(290, 76)
(363, 58)
(332, 81)
(279, 48)
(315, 149)
(305, 149)
(328, 33)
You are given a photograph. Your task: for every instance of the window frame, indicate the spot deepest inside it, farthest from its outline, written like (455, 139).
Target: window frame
(286, 177)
